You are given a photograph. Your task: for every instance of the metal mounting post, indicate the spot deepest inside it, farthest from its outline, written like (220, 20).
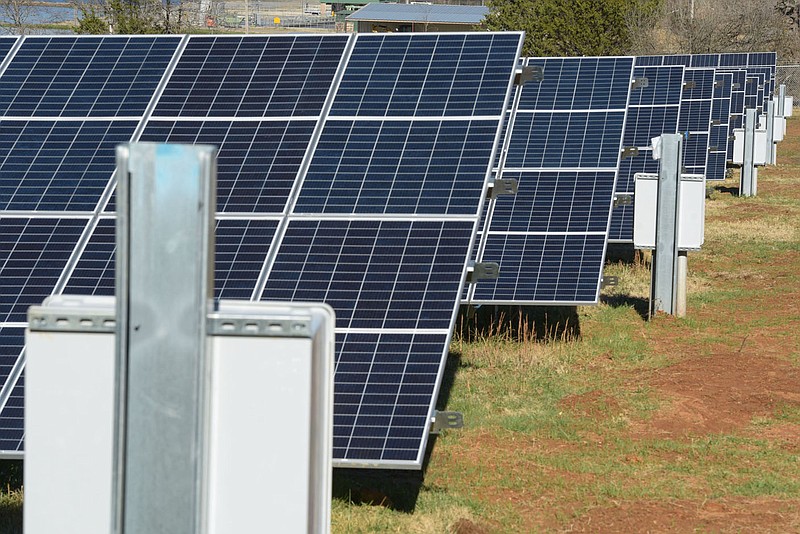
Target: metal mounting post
(771, 155)
(665, 257)
(747, 178)
(781, 100)
(164, 280)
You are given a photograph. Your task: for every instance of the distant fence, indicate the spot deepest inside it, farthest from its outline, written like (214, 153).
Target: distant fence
(789, 75)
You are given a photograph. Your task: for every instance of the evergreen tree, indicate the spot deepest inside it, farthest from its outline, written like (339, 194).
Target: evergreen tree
(567, 27)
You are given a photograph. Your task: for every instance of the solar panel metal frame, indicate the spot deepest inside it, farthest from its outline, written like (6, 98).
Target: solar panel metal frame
(501, 168)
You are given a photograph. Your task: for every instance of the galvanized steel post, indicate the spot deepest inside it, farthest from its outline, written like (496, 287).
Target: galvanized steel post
(665, 255)
(747, 178)
(164, 279)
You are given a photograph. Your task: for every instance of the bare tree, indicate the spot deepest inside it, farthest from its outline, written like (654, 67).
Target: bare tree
(16, 16)
(702, 26)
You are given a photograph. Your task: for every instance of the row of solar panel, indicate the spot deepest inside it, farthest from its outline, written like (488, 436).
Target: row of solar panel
(261, 100)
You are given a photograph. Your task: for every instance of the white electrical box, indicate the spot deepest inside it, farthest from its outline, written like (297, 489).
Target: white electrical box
(788, 106)
(270, 417)
(759, 150)
(778, 129)
(691, 211)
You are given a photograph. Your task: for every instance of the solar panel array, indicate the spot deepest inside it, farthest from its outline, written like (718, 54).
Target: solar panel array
(653, 111)
(351, 170)
(563, 150)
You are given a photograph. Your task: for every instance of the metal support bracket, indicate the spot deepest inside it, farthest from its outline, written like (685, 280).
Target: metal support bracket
(609, 281)
(714, 148)
(254, 326)
(640, 83)
(691, 84)
(444, 420)
(623, 199)
(719, 83)
(736, 85)
(483, 271)
(529, 73)
(630, 151)
(503, 186)
(716, 122)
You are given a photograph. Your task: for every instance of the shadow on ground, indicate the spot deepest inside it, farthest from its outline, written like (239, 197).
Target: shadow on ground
(733, 191)
(518, 323)
(641, 305)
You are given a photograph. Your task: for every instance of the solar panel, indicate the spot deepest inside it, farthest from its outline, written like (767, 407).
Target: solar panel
(241, 248)
(694, 120)
(84, 76)
(384, 221)
(33, 255)
(12, 340)
(257, 162)
(252, 76)
(720, 122)
(12, 417)
(6, 44)
(563, 150)
(58, 165)
(653, 111)
(405, 182)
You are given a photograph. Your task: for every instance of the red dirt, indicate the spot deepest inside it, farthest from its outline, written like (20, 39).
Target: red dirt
(720, 393)
(728, 515)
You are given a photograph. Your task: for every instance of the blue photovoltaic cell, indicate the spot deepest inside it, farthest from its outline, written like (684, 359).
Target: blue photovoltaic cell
(85, 76)
(565, 140)
(375, 274)
(705, 60)
(547, 201)
(58, 166)
(733, 59)
(398, 167)
(12, 419)
(695, 116)
(579, 83)
(427, 75)
(621, 228)
(257, 162)
(382, 386)
(649, 61)
(716, 165)
(551, 268)
(241, 248)
(680, 59)
(644, 123)
(664, 86)
(252, 76)
(33, 253)
(11, 342)
(695, 153)
(6, 43)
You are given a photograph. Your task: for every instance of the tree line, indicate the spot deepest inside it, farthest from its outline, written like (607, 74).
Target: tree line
(553, 27)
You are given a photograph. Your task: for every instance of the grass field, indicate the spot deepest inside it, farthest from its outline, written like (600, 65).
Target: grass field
(629, 426)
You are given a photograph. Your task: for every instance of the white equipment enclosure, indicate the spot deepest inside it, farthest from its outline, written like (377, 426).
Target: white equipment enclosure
(691, 211)
(269, 453)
